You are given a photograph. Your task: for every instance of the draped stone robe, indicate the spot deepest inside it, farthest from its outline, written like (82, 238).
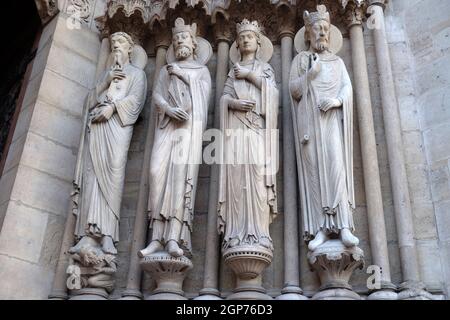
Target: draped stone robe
(247, 191)
(177, 152)
(324, 144)
(100, 172)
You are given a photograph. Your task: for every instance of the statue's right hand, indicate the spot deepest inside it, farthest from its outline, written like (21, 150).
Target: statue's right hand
(177, 114)
(316, 66)
(115, 74)
(242, 105)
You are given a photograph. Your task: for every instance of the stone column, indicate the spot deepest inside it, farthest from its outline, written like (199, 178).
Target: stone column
(210, 290)
(133, 289)
(59, 287)
(291, 290)
(411, 288)
(377, 228)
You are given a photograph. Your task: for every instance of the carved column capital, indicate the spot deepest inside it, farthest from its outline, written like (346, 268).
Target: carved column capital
(202, 26)
(381, 3)
(223, 32)
(354, 15)
(47, 9)
(102, 27)
(162, 37)
(286, 22)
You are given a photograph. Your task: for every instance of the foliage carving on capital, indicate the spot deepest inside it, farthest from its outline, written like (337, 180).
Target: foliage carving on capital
(354, 14)
(223, 31)
(47, 9)
(162, 36)
(79, 11)
(357, 3)
(130, 16)
(286, 20)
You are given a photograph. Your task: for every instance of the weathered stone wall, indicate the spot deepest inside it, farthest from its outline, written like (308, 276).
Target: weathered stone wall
(273, 276)
(35, 187)
(38, 174)
(421, 32)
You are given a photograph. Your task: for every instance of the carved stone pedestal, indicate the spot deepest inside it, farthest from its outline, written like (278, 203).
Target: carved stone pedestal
(413, 291)
(169, 274)
(209, 294)
(248, 263)
(89, 294)
(291, 293)
(132, 295)
(386, 292)
(335, 263)
(58, 294)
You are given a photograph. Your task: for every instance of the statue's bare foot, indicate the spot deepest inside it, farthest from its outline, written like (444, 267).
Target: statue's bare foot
(348, 239)
(108, 245)
(173, 249)
(153, 247)
(321, 238)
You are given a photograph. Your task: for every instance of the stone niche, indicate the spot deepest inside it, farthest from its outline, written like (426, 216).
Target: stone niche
(273, 276)
(69, 59)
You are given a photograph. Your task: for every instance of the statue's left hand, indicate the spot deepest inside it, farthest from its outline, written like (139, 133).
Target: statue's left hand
(329, 103)
(102, 113)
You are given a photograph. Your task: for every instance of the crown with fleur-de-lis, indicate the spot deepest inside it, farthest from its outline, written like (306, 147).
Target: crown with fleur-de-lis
(246, 25)
(313, 17)
(180, 26)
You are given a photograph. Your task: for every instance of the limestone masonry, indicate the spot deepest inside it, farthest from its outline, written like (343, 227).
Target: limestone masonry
(229, 149)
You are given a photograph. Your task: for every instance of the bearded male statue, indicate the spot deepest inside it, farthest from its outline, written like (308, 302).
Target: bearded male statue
(322, 102)
(181, 96)
(113, 107)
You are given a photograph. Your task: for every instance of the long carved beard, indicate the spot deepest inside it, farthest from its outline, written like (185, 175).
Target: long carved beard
(118, 59)
(322, 45)
(183, 52)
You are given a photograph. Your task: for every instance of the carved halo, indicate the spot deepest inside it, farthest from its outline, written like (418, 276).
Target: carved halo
(336, 40)
(138, 57)
(265, 51)
(204, 52)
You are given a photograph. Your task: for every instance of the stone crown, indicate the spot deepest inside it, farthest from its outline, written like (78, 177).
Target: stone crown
(313, 17)
(246, 25)
(180, 26)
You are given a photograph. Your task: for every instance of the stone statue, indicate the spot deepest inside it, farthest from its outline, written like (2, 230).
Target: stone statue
(97, 268)
(113, 108)
(322, 100)
(181, 97)
(247, 189)
(249, 111)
